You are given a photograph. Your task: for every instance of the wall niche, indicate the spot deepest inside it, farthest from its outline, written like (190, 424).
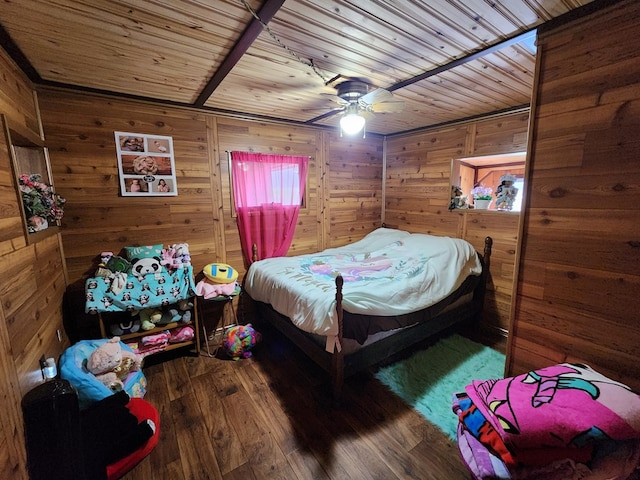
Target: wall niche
(489, 172)
(40, 206)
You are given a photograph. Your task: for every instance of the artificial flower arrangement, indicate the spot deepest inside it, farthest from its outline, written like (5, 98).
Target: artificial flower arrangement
(41, 204)
(482, 193)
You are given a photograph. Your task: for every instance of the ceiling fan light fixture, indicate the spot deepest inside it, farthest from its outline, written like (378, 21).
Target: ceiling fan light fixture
(351, 122)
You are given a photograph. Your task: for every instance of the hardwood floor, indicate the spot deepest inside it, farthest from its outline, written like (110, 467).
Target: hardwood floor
(271, 417)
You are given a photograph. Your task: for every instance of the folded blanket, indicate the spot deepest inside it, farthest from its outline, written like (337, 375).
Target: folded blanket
(562, 406)
(482, 430)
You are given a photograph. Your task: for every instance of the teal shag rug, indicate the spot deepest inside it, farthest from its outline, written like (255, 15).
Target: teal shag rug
(428, 379)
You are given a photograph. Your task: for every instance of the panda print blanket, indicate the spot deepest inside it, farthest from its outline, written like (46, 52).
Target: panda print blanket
(139, 292)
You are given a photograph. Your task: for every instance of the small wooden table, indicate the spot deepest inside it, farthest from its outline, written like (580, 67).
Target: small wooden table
(216, 335)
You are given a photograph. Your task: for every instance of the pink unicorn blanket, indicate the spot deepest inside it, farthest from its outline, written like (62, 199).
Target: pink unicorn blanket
(565, 405)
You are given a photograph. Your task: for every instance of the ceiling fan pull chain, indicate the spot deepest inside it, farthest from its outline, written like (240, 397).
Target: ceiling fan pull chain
(308, 63)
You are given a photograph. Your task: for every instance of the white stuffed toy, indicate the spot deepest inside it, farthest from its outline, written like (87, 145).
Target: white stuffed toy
(111, 364)
(181, 254)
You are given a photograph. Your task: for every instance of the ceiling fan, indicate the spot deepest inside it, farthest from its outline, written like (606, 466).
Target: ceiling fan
(358, 99)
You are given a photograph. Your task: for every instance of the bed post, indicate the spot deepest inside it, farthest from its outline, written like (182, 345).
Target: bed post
(482, 288)
(488, 243)
(337, 375)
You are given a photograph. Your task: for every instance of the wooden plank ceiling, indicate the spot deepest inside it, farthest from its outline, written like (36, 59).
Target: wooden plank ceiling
(446, 59)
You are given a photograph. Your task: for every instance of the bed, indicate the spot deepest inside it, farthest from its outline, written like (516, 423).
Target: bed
(353, 306)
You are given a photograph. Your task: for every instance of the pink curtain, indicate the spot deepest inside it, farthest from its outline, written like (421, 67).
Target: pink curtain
(268, 192)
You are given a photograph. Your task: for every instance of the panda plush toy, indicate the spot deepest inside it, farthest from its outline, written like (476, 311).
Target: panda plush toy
(145, 266)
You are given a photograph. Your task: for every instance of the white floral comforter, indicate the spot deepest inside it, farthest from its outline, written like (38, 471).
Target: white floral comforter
(388, 272)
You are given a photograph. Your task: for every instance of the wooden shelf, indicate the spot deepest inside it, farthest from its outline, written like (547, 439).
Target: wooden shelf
(127, 337)
(35, 237)
(158, 329)
(24, 137)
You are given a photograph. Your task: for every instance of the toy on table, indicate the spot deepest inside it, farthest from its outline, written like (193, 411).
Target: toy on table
(220, 280)
(169, 259)
(110, 364)
(240, 340)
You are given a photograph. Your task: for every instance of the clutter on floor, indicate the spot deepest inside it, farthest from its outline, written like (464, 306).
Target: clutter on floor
(562, 422)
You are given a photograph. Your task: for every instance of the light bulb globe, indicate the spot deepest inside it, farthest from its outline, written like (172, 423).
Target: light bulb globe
(351, 123)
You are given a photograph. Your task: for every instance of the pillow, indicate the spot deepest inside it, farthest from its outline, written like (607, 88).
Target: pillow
(145, 260)
(220, 273)
(142, 410)
(144, 251)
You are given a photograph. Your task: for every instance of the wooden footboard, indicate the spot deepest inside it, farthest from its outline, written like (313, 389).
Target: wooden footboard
(339, 365)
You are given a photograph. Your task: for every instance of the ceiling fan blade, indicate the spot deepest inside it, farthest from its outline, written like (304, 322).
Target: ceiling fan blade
(334, 98)
(367, 115)
(378, 95)
(387, 107)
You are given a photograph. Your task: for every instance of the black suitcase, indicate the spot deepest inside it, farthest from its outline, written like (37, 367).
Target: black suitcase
(52, 432)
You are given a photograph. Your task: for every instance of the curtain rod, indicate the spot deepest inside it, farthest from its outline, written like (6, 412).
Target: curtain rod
(229, 151)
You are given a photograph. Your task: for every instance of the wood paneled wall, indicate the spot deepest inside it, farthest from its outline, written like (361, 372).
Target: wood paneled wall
(417, 194)
(79, 130)
(32, 283)
(579, 274)
(344, 202)
(80, 134)
(579, 262)
(343, 189)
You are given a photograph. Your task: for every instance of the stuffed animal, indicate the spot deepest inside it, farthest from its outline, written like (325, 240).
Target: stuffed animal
(183, 312)
(239, 341)
(145, 266)
(182, 256)
(220, 273)
(178, 312)
(149, 317)
(111, 364)
(126, 327)
(169, 260)
(457, 199)
(115, 263)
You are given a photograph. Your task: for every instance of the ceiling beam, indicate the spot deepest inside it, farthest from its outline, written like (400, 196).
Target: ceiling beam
(266, 13)
(443, 68)
(461, 61)
(16, 54)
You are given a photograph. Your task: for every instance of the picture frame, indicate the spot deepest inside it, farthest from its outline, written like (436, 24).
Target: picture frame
(146, 165)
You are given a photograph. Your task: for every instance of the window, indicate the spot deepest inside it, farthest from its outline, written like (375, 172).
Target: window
(268, 192)
(278, 183)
